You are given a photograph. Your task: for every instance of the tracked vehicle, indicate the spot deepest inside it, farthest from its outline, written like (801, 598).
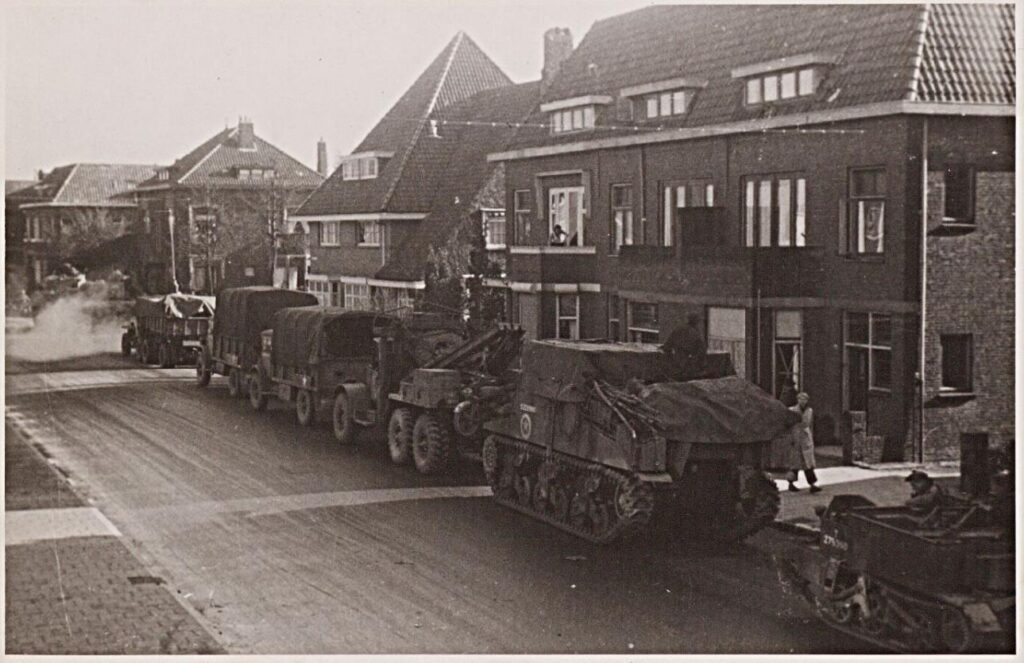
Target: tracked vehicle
(936, 582)
(604, 436)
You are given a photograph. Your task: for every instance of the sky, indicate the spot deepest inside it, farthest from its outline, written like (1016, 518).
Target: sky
(145, 81)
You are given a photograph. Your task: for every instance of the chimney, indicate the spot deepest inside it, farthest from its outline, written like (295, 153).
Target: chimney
(246, 136)
(321, 157)
(557, 48)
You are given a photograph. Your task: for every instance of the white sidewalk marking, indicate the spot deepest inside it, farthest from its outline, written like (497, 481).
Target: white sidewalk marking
(34, 383)
(30, 525)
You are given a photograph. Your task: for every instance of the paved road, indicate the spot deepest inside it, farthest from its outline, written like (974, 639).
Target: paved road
(288, 542)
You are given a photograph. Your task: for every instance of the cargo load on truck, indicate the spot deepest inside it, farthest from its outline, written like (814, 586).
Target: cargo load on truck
(168, 329)
(601, 433)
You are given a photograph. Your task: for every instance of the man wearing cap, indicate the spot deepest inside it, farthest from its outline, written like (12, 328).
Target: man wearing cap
(925, 494)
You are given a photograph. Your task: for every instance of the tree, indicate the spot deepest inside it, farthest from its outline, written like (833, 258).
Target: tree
(86, 229)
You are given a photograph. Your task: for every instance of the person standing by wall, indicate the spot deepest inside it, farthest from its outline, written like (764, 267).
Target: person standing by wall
(802, 451)
(686, 347)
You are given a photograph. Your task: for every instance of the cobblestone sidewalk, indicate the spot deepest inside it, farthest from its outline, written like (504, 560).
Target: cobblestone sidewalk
(83, 595)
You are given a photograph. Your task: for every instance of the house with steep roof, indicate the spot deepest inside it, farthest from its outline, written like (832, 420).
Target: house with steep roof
(73, 209)
(828, 188)
(218, 215)
(16, 192)
(417, 201)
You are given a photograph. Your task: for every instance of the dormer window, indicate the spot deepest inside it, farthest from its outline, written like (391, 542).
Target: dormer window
(254, 173)
(667, 98)
(576, 114)
(363, 166)
(163, 175)
(783, 79)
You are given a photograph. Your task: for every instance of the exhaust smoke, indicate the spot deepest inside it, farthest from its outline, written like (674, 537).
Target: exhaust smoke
(79, 324)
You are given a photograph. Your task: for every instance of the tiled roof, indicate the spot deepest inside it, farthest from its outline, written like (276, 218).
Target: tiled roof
(968, 54)
(92, 184)
(482, 124)
(459, 71)
(876, 51)
(213, 163)
(12, 187)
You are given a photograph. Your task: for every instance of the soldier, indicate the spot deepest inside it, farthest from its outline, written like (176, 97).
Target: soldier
(925, 494)
(685, 345)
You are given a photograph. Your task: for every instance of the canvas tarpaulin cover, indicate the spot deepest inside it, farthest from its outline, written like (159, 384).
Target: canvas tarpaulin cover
(721, 411)
(304, 336)
(178, 306)
(562, 369)
(245, 312)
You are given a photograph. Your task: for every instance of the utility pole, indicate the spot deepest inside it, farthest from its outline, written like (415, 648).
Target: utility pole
(174, 265)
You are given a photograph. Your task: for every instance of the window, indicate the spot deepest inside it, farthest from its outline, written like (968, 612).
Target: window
(643, 323)
(866, 212)
(336, 294)
(568, 317)
(522, 209)
(329, 231)
(494, 229)
(696, 193)
(782, 85)
(775, 211)
(319, 289)
(572, 119)
(727, 332)
(613, 317)
(368, 233)
(957, 363)
(622, 216)
(666, 104)
(565, 211)
(357, 297)
(360, 168)
(958, 205)
(869, 341)
(788, 356)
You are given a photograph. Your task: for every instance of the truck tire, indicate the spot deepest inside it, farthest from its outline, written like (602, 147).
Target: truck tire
(344, 425)
(305, 407)
(202, 368)
(257, 395)
(126, 345)
(234, 382)
(143, 352)
(165, 356)
(431, 444)
(400, 432)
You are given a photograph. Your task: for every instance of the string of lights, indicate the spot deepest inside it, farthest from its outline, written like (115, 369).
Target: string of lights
(436, 123)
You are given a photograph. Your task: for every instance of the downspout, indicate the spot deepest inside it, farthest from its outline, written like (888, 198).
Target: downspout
(643, 194)
(924, 289)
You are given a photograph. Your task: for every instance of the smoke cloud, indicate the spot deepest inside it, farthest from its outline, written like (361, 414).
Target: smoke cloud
(76, 325)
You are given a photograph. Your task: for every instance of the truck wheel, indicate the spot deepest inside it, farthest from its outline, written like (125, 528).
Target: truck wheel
(257, 395)
(126, 345)
(163, 355)
(431, 444)
(341, 419)
(305, 409)
(235, 382)
(400, 431)
(202, 368)
(143, 352)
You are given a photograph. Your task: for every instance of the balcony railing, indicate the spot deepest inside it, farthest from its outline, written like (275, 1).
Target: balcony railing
(552, 264)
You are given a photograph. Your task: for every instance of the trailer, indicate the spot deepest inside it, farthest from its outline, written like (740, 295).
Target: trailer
(168, 330)
(233, 346)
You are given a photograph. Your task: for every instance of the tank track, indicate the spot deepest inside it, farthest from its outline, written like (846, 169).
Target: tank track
(589, 500)
(900, 621)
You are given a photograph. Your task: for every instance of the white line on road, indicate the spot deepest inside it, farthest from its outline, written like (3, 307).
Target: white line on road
(33, 525)
(34, 383)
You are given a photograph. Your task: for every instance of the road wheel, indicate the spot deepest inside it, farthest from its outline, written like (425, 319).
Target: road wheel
(203, 368)
(235, 382)
(257, 394)
(344, 425)
(400, 432)
(126, 345)
(305, 408)
(431, 444)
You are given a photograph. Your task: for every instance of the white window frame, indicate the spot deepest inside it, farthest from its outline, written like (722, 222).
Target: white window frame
(782, 340)
(369, 233)
(772, 87)
(522, 215)
(767, 231)
(357, 297)
(679, 195)
(859, 206)
(360, 168)
(667, 103)
(574, 318)
(634, 332)
(622, 219)
(552, 213)
(491, 220)
(569, 120)
(328, 238)
(871, 346)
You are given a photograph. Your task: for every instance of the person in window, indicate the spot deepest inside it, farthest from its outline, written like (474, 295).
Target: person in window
(802, 450)
(558, 236)
(925, 494)
(685, 346)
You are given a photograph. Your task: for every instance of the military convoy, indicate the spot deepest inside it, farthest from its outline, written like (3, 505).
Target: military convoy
(168, 330)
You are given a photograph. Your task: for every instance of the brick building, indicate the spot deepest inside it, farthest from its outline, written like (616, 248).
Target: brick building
(416, 205)
(829, 188)
(226, 203)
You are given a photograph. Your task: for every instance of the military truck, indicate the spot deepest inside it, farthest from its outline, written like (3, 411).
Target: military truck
(940, 581)
(233, 347)
(603, 435)
(168, 330)
(439, 409)
(327, 359)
